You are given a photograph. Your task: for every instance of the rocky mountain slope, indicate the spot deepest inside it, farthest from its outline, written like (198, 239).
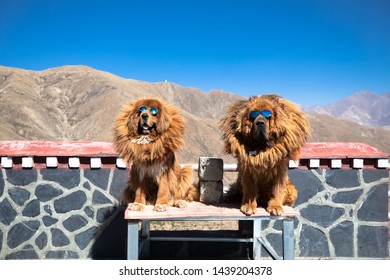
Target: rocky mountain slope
(80, 103)
(366, 108)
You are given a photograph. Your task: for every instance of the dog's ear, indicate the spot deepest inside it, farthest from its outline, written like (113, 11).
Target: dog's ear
(164, 120)
(246, 127)
(132, 118)
(126, 123)
(278, 123)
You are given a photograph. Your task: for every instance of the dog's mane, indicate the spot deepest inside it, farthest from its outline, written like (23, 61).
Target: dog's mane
(163, 144)
(288, 134)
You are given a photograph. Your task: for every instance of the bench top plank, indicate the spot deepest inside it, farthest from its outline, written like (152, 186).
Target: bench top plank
(200, 211)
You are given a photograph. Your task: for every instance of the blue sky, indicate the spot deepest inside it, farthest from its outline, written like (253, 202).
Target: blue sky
(311, 52)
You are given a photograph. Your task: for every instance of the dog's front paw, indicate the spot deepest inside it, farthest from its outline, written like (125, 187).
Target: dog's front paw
(180, 204)
(161, 207)
(136, 206)
(248, 209)
(275, 210)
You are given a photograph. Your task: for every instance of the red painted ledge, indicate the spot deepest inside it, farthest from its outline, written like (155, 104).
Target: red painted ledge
(321, 150)
(341, 150)
(56, 148)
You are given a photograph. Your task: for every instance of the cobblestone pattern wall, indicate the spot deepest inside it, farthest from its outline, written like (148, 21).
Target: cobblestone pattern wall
(343, 214)
(56, 213)
(60, 213)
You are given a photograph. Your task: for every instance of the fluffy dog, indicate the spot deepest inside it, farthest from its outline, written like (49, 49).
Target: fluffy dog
(148, 132)
(264, 133)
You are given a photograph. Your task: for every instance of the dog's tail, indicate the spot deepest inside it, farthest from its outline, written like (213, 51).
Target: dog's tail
(189, 190)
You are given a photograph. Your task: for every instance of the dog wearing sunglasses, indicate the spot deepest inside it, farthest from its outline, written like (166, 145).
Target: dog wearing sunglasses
(148, 132)
(264, 133)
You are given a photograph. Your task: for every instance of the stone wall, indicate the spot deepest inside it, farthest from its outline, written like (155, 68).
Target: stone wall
(343, 213)
(63, 200)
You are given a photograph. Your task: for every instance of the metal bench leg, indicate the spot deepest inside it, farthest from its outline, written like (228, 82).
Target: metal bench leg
(288, 239)
(256, 239)
(132, 240)
(145, 239)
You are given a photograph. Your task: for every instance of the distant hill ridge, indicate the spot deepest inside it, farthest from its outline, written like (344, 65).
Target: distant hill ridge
(80, 103)
(365, 107)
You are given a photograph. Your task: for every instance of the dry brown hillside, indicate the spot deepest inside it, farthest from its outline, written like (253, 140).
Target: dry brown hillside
(80, 103)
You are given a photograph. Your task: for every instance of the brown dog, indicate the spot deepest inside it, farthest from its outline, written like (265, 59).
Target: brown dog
(148, 132)
(264, 133)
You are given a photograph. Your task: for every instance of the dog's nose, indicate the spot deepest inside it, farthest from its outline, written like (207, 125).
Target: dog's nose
(144, 116)
(260, 123)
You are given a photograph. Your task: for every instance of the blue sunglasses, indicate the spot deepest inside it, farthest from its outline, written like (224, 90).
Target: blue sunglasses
(152, 110)
(265, 113)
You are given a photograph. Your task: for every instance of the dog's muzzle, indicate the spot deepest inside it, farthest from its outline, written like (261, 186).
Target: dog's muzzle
(144, 127)
(261, 132)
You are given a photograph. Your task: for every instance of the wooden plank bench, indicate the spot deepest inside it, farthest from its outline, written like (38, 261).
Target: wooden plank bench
(138, 239)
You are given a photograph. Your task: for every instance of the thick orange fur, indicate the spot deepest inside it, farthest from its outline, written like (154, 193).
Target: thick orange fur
(263, 161)
(155, 176)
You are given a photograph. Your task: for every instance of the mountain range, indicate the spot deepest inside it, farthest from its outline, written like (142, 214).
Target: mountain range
(365, 108)
(81, 103)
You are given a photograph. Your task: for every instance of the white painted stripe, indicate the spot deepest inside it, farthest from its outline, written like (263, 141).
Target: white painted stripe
(293, 163)
(357, 163)
(96, 163)
(6, 162)
(74, 162)
(382, 163)
(120, 163)
(51, 162)
(314, 163)
(335, 163)
(27, 162)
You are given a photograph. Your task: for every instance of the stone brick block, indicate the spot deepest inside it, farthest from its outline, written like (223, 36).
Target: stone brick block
(27, 162)
(6, 162)
(210, 169)
(51, 162)
(211, 192)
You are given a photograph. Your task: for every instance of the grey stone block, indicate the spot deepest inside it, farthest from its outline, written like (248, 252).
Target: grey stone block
(21, 177)
(58, 238)
(373, 175)
(68, 178)
(375, 207)
(73, 201)
(98, 177)
(27, 253)
(119, 183)
(7, 213)
(48, 221)
(210, 169)
(21, 232)
(313, 242)
(82, 239)
(89, 211)
(46, 192)
(99, 198)
(347, 197)
(341, 237)
(19, 195)
(75, 222)
(32, 209)
(61, 255)
(342, 178)
(307, 184)
(47, 209)
(41, 240)
(322, 215)
(104, 213)
(372, 242)
(211, 192)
